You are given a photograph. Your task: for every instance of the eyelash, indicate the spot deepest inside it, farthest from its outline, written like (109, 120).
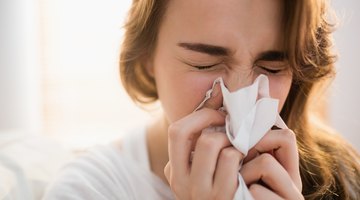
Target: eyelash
(270, 71)
(204, 67)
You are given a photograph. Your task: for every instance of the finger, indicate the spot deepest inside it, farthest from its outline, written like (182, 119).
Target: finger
(226, 174)
(282, 144)
(182, 134)
(214, 101)
(267, 169)
(261, 192)
(177, 188)
(207, 150)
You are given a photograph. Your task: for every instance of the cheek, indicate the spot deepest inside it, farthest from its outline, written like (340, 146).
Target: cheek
(181, 92)
(279, 88)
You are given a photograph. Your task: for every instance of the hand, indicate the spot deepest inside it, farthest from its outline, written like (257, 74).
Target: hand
(273, 169)
(212, 172)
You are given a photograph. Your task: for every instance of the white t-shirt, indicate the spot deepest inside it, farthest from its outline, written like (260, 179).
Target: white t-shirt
(111, 173)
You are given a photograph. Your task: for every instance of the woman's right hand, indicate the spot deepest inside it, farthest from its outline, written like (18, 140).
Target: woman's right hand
(202, 163)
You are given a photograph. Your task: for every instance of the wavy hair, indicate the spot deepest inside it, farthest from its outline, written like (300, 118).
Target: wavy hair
(329, 166)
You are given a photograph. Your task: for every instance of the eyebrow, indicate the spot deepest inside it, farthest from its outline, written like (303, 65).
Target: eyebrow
(213, 50)
(206, 48)
(273, 56)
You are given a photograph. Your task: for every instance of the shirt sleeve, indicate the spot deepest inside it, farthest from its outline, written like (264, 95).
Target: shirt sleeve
(90, 177)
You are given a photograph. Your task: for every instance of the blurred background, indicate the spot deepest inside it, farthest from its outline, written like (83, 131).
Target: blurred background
(59, 71)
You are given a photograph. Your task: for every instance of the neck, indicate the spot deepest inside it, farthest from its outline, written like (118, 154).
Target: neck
(157, 142)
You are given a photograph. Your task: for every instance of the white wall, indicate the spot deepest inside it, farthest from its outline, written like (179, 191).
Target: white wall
(345, 101)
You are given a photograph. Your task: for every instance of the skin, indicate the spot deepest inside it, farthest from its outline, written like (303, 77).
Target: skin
(236, 37)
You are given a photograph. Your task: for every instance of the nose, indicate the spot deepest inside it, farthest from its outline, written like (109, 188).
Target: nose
(236, 80)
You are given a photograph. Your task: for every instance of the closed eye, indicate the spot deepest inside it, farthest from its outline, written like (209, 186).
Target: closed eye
(273, 71)
(270, 70)
(205, 67)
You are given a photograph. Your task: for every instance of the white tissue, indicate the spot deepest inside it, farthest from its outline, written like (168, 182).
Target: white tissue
(251, 113)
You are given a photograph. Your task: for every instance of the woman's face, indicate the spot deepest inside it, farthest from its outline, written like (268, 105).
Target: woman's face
(200, 40)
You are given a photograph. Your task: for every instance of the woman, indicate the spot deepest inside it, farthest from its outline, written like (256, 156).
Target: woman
(172, 52)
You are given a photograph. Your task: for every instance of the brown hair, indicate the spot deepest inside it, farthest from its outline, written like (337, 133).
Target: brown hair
(329, 166)
(140, 37)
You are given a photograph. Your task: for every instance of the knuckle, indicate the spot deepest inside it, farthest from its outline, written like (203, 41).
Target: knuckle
(289, 136)
(174, 130)
(255, 188)
(266, 159)
(208, 140)
(230, 154)
(211, 114)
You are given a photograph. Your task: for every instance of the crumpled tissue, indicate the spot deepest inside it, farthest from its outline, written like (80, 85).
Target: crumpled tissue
(251, 113)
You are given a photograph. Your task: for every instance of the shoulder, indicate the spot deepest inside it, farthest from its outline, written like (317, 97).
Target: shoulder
(97, 174)
(116, 171)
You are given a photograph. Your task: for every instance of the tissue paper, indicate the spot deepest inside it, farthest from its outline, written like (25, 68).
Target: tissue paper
(251, 112)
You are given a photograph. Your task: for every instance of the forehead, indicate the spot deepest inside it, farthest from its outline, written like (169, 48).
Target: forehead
(224, 22)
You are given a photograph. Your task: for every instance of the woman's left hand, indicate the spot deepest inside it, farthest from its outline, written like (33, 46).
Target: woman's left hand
(271, 169)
